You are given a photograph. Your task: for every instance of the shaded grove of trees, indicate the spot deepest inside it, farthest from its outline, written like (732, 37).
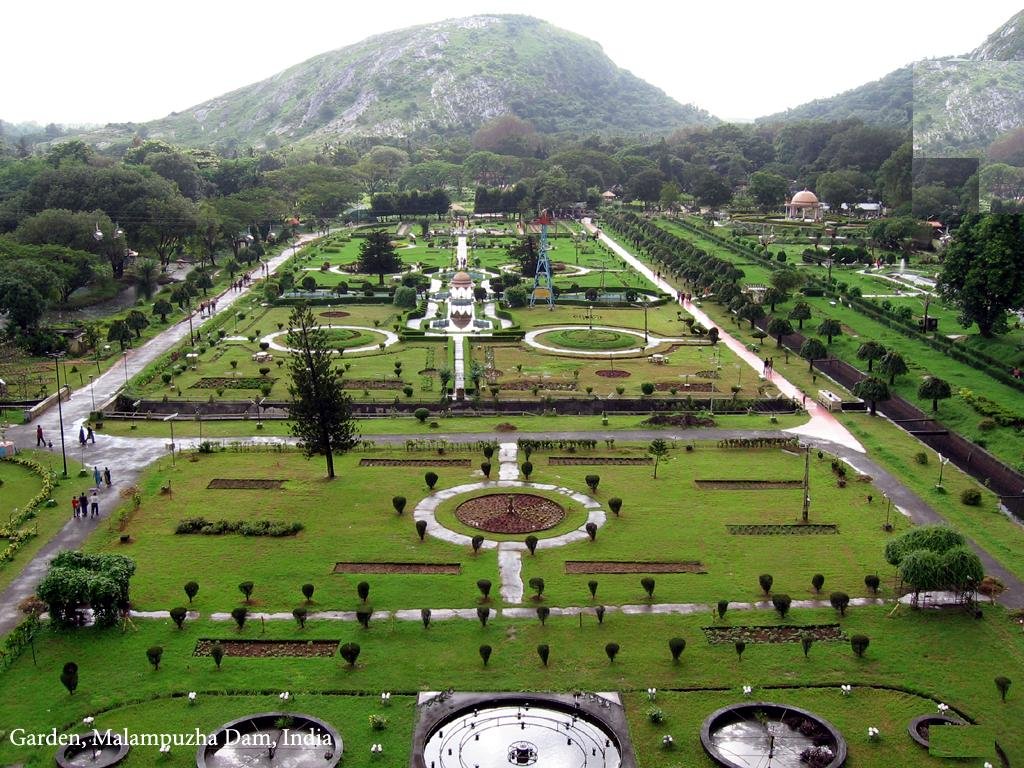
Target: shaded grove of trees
(413, 203)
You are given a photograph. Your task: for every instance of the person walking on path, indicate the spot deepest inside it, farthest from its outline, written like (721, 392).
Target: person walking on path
(39, 436)
(95, 499)
(83, 504)
(81, 435)
(74, 506)
(90, 435)
(106, 476)
(96, 476)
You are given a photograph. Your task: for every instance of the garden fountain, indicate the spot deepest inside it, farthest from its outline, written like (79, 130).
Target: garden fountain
(95, 749)
(767, 735)
(272, 740)
(496, 730)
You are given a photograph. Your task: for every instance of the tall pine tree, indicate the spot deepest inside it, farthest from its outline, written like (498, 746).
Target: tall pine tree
(321, 412)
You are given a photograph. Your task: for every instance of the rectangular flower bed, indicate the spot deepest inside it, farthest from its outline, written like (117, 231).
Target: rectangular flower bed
(269, 649)
(789, 529)
(746, 485)
(436, 569)
(231, 382)
(415, 463)
(633, 566)
(786, 633)
(244, 484)
(578, 461)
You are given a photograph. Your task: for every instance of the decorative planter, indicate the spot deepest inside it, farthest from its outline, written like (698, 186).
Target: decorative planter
(928, 720)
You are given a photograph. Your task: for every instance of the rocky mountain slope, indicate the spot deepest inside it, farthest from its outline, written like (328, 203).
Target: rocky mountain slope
(439, 79)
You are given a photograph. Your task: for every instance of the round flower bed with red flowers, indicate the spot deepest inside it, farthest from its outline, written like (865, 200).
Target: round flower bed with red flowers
(510, 513)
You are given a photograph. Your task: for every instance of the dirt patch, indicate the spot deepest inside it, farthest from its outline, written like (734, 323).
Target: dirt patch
(426, 372)
(578, 461)
(746, 485)
(442, 569)
(334, 313)
(700, 386)
(788, 633)
(415, 463)
(679, 420)
(246, 484)
(510, 513)
(708, 374)
(633, 566)
(791, 529)
(606, 373)
(269, 649)
(505, 427)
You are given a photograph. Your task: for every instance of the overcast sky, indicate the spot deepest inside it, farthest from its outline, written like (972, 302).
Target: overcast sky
(116, 61)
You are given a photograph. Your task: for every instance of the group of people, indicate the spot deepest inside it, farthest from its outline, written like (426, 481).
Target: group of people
(83, 436)
(769, 367)
(82, 505)
(685, 298)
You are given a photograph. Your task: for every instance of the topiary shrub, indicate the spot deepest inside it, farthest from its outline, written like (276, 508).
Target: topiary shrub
(421, 528)
(155, 653)
(350, 652)
(839, 601)
(592, 482)
(766, 581)
(971, 497)
(591, 529)
(599, 613)
(817, 581)
(484, 585)
(537, 585)
(363, 590)
(542, 613)
(592, 586)
(425, 617)
(421, 414)
(615, 504)
(398, 502)
(300, 615)
(69, 677)
(217, 654)
(527, 469)
(647, 388)
(1003, 686)
(307, 592)
(178, 616)
(483, 614)
(477, 542)
(611, 650)
(740, 647)
(782, 603)
(191, 590)
(859, 644)
(806, 641)
(872, 582)
(722, 607)
(485, 653)
(531, 543)
(431, 479)
(676, 646)
(648, 584)
(246, 588)
(363, 617)
(544, 652)
(485, 468)
(240, 614)
(921, 458)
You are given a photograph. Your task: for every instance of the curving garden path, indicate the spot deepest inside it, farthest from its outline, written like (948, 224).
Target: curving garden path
(652, 341)
(389, 338)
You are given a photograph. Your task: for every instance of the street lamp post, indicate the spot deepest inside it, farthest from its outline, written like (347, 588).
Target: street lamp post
(92, 392)
(888, 509)
(124, 354)
(170, 419)
(942, 463)
(60, 409)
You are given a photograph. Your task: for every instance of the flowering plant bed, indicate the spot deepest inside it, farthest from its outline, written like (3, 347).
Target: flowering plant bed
(414, 463)
(443, 569)
(232, 382)
(269, 649)
(633, 566)
(684, 388)
(789, 529)
(576, 461)
(679, 420)
(510, 513)
(334, 313)
(606, 373)
(786, 633)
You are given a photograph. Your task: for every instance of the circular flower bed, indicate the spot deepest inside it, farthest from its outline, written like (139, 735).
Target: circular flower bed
(584, 338)
(334, 313)
(347, 337)
(613, 373)
(510, 513)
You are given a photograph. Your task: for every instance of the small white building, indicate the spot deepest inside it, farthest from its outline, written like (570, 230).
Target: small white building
(804, 206)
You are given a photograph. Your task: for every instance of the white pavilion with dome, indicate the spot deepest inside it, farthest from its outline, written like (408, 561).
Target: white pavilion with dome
(804, 206)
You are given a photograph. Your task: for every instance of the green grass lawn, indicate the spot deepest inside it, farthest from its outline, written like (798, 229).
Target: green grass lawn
(351, 519)
(913, 650)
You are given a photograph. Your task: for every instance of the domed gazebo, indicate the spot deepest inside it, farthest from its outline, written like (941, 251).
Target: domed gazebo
(462, 286)
(804, 205)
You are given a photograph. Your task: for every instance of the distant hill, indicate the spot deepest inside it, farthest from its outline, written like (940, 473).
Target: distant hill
(439, 79)
(1005, 44)
(888, 101)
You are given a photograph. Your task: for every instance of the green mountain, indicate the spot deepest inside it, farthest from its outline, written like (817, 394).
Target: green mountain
(1005, 44)
(442, 79)
(888, 101)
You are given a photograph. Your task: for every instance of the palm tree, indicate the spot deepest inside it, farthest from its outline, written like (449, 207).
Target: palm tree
(830, 328)
(801, 311)
(933, 388)
(870, 351)
(871, 389)
(779, 327)
(145, 274)
(892, 365)
(812, 350)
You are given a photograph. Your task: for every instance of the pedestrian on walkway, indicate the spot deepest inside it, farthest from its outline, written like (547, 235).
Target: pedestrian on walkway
(74, 506)
(81, 435)
(106, 476)
(96, 476)
(83, 504)
(95, 503)
(39, 436)
(90, 435)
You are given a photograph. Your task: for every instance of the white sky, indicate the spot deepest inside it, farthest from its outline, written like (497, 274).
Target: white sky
(71, 61)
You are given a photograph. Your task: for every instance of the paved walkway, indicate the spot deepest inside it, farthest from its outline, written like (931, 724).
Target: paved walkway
(125, 457)
(822, 425)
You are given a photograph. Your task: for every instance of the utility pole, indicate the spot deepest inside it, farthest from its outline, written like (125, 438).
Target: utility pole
(807, 481)
(60, 410)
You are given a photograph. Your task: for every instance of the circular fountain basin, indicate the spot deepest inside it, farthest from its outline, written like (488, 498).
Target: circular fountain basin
(521, 731)
(96, 749)
(756, 734)
(278, 739)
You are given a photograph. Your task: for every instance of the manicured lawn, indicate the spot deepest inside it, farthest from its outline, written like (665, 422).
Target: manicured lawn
(911, 649)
